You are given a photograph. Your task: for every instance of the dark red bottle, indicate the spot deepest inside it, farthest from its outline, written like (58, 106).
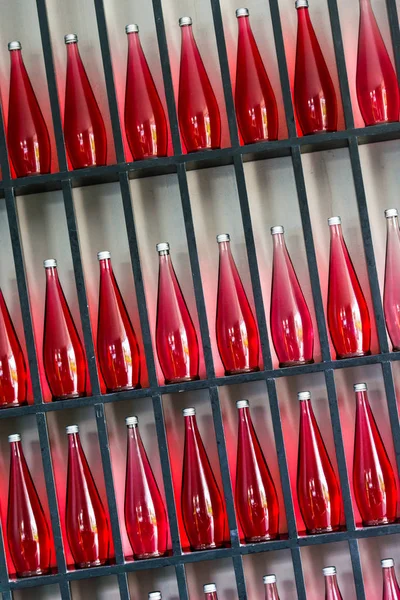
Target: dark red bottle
(391, 296)
(176, 339)
(198, 112)
(202, 507)
(85, 518)
(391, 589)
(348, 316)
(84, 131)
(271, 591)
(63, 355)
(210, 591)
(13, 376)
(255, 494)
(27, 136)
(373, 477)
(145, 122)
(145, 516)
(256, 109)
(117, 347)
(332, 591)
(317, 487)
(27, 530)
(314, 93)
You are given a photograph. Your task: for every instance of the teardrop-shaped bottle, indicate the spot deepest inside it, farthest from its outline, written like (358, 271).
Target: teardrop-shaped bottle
(63, 355)
(84, 131)
(317, 487)
(145, 122)
(314, 93)
(85, 518)
(236, 327)
(391, 295)
(27, 530)
(210, 591)
(255, 102)
(373, 477)
(376, 81)
(117, 347)
(27, 136)
(255, 494)
(176, 338)
(198, 112)
(348, 315)
(202, 507)
(291, 326)
(13, 376)
(271, 590)
(332, 591)
(145, 516)
(391, 589)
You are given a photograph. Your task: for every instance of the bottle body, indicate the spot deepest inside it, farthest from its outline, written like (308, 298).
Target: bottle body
(13, 377)
(270, 587)
(332, 591)
(391, 296)
(391, 589)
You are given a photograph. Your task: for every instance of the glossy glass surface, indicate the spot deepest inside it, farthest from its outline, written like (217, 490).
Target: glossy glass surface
(391, 589)
(236, 327)
(314, 93)
(27, 136)
(63, 355)
(145, 122)
(271, 591)
(391, 296)
(291, 326)
(348, 316)
(211, 596)
(84, 131)
(376, 81)
(373, 477)
(255, 102)
(117, 347)
(27, 530)
(332, 591)
(85, 518)
(198, 112)
(201, 502)
(13, 377)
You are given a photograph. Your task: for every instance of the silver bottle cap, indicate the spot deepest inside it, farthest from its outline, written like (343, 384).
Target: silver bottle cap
(301, 4)
(242, 12)
(242, 404)
(391, 212)
(269, 579)
(360, 387)
(70, 38)
(49, 262)
(162, 247)
(155, 596)
(185, 21)
(132, 28)
(277, 229)
(209, 588)
(387, 563)
(14, 437)
(189, 412)
(223, 237)
(72, 429)
(104, 254)
(304, 396)
(131, 421)
(329, 571)
(14, 46)
(334, 221)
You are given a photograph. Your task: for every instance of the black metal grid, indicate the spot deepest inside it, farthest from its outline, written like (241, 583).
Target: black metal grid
(179, 163)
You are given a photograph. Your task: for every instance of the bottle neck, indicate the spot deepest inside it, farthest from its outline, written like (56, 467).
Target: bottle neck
(51, 275)
(305, 409)
(73, 52)
(16, 452)
(16, 58)
(362, 399)
(105, 267)
(392, 226)
(187, 34)
(332, 591)
(336, 232)
(271, 591)
(191, 424)
(390, 585)
(244, 417)
(244, 25)
(74, 442)
(211, 596)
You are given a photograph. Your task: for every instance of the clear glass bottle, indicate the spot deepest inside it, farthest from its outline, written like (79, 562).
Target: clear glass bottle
(391, 589)
(332, 591)
(391, 295)
(271, 590)
(13, 376)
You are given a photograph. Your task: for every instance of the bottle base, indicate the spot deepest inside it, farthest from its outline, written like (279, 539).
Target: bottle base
(261, 538)
(13, 404)
(124, 388)
(384, 521)
(322, 530)
(352, 355)
(68, 397)
(206, 547)
(259, 140)
(181, 380)
(318, 131)
(36, 573)
(93, 563)
(296, 363)
(240, 371)
(203, 149)
(148, 555)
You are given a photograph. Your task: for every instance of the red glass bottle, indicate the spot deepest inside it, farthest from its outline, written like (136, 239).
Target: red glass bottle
(210, 591)
(348, 316)
(84, 131)
(117, 347)
(27, 531)
(391, 296)
(63, 355)
(13, 377)
(236, 327)
(85, 518)
(202, 507)
(271, 591)
(373, 477)
(391, 589)
(314, 93)
(255, 494)
(145, 516)
(198, 112)
(145, 122)
(332, 591)
(256, 108)
(376, 81)
(27, 136)
(317, 487)
(291, 326)
(176, 339)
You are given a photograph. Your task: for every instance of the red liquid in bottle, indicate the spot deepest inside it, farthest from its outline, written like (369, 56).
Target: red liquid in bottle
(13, 378)
(391, 296)
(271, 591)
(332, 591)
(391, 589)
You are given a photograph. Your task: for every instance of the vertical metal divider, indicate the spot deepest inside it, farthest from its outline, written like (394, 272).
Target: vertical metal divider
(357, 569)
(7, 595)
(3, 560)
(298, 573)
(123, 585)
(393, 19)
(392, 408)
(182, 582)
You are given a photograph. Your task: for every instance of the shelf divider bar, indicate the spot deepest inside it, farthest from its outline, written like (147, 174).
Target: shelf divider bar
(357, 569)
(182, 583)
(298, 573)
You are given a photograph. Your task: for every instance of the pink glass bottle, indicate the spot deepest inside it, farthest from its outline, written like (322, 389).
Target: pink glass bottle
(117, 347)
(236, 327)
(391, 589)
(314, 93)
(317, 487)
(84, 131)
(176, 338)
(145, 122)
(85, 518)
(198, 112)
(145, 516)
(332, 591)
(373, 477)
(27, 531)
(291, 326)
(255, 494)
(202, 507)
(271, 591)
(391, 295)
(63, 355)
(27, 136)
(376, 81)
(210, 591)
(13, 377)
(348, 316)
(256, 108)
